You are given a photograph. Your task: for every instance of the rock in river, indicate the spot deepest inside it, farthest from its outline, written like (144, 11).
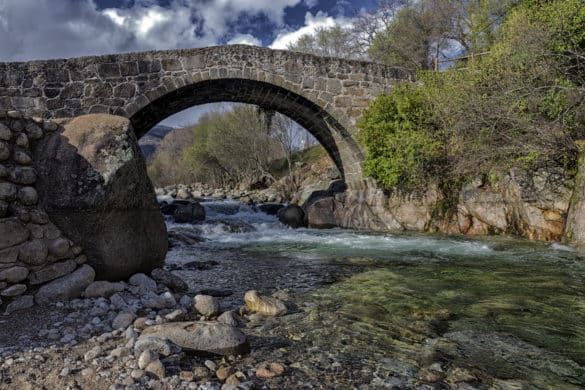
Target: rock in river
(292, 215)
(202, 336)
(268, 306)
(189, 213)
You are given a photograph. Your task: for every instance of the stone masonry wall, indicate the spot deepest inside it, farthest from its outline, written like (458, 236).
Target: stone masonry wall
(33, 251)
(325, 95)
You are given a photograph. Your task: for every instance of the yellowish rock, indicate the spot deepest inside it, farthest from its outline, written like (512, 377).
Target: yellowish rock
(235, 379)
(269, 370)
(157, 368)
(223, 373)
(268, 306)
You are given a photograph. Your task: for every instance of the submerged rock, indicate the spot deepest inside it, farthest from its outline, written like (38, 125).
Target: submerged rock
(269, 370)
(189, 213)
(234, 226)
(185, 236)
(270, 208)
(202, 336)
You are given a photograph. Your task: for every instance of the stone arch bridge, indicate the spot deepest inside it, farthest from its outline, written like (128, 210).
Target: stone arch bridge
(324, 95)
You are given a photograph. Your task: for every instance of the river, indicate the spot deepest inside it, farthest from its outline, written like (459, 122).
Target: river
(396, 310)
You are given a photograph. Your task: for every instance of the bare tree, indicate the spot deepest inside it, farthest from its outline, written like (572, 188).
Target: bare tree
(413, 34)
(336, 41)
(368, 24)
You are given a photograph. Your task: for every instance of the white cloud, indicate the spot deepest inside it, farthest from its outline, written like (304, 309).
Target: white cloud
(41, 29)
(311, 3)
(156, 27)
(245, 39)
(312, 23)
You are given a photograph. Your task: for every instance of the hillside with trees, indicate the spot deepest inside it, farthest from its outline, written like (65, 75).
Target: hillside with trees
(225, 149)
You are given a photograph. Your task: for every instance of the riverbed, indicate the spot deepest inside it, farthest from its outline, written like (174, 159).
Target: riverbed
(396, 310)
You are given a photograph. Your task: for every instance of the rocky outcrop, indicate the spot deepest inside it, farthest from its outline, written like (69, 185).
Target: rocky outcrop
(575, 226)
(359, 208)
(92, 182)
(534, 205)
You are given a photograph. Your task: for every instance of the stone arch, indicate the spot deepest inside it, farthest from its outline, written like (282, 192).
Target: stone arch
(335, 138)
(326, 95)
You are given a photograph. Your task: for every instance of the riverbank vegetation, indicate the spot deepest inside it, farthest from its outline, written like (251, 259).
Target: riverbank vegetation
(499, 84)
(520, 104)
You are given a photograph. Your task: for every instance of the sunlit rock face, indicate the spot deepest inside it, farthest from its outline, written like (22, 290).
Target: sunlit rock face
(534, 205)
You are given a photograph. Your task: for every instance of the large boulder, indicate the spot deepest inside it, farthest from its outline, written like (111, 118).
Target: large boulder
(201, 336)
(92, 182)
(321, 214)
(292, 215)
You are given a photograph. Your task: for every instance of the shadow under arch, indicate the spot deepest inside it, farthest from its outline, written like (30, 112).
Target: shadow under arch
(337, 140)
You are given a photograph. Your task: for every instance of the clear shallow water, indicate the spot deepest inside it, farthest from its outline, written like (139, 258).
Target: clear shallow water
(498, 309)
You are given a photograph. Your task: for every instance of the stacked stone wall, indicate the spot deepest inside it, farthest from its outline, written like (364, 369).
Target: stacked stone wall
(33, 251)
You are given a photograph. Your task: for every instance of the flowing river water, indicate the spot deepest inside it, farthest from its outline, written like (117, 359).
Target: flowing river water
(396, 310)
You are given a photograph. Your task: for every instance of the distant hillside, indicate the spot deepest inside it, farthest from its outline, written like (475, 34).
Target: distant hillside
(149, 142)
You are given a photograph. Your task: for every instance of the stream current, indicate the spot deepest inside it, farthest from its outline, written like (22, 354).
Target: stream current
(372, 310)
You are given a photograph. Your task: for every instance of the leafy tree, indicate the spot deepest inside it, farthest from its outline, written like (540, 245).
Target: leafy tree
(164, 168)
(476, 22)
(367, 25)
(397, 131)
(232, 147)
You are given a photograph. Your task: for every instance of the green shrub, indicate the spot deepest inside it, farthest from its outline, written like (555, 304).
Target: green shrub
(401, 142)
